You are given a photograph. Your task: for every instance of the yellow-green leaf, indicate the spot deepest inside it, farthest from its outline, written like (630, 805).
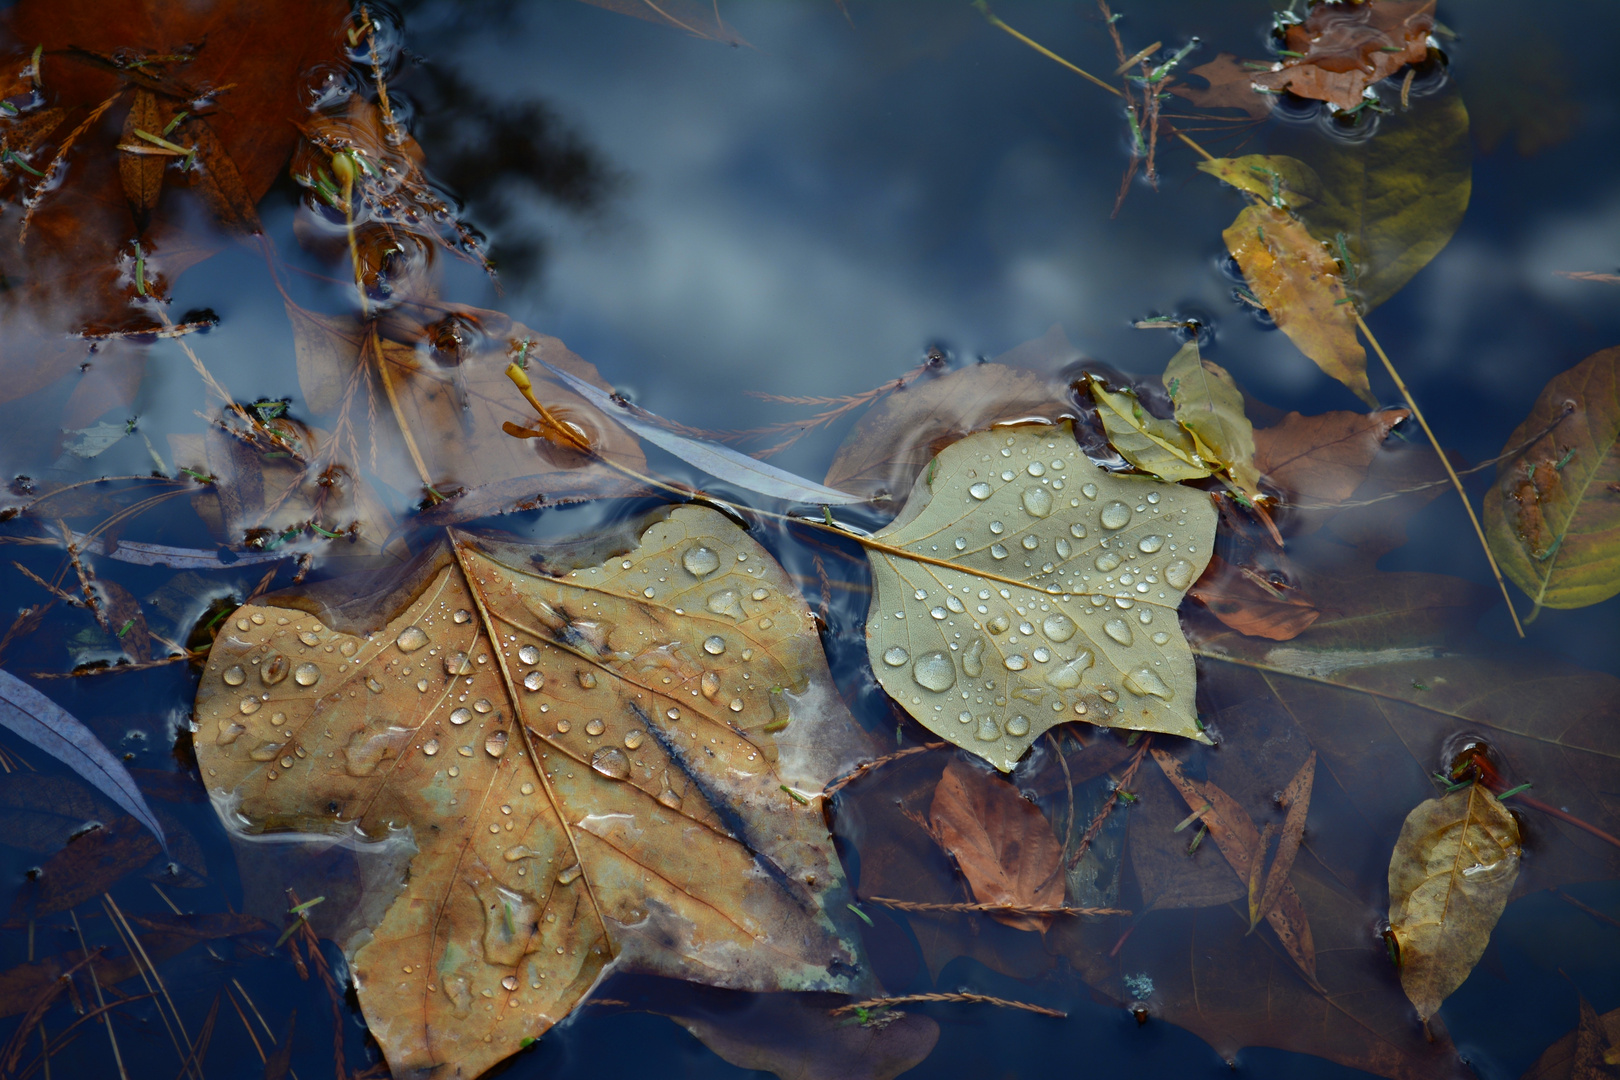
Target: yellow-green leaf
(1453, 867)
(603, 763)
(1553, 515)
(1285, 182)
(1209, 404)
(1027, 587)
(1160, 447)
(1292, 274)
(1396, 197)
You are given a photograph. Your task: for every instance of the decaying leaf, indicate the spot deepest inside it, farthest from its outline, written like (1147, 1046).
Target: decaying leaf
(1340, 49)
(1079, 572)
(1450, 875)
(1002, 843)
(1209, 404)
(1297, 799)
(1234, 832)
(603, 763)
(1161, 447)
(1552, 515)
(899, 436)
(1292, 274)
(142, 174)
(1322, 459)
(1231, 86)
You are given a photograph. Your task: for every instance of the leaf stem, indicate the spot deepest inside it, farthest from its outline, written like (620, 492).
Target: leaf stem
(1456, 481)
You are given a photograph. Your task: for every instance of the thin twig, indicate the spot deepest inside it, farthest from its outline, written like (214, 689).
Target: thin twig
(865, 767)
(101, 1000)
(994, 909)
(1108, 807)
(915, 999)
(1456, 482)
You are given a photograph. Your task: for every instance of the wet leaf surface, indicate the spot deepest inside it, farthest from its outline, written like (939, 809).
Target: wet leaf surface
(1340, 49)
(1296, 280)
(603, 767)
(1450, 876)
(1063, 634)
(1553, 513)
(1003, 844)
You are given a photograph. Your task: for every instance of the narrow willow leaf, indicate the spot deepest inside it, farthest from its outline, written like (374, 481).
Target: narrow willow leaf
(1553, 516)
(1233, 831)
(35, 717)
(1297, 798)
(603, 765)
(720, 462)
(1155, 446)
(1292, 274)
(1209, 404)
(1453, 867)
(1048, 594)
(1284, 182)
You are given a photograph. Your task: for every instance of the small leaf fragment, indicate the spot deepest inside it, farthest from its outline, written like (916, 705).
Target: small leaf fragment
(1002, 843)
(1451, 872)
(1283, 182)
(1297, 798)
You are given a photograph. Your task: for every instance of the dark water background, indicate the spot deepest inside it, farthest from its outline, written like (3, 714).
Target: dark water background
(808, 215)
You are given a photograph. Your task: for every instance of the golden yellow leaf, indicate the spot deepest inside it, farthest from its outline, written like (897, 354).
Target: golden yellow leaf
(1291, 273)
(602, 763)
(1048, 594)
(1274, 177)
(1453, 867)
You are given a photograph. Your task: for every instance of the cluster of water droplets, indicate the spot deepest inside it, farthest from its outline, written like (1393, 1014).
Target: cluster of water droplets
(1124, 562)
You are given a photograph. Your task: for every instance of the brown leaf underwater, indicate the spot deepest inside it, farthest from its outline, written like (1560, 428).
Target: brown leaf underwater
(608, 766)
(1342, 48)
(1003, 845)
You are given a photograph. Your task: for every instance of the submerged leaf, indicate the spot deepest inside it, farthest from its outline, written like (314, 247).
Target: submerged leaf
(592, 762)
(1299, 283)
(1322, 459)
(1231, 86)
(1590, 1052)
(1209, 404)
(30, 714)
(1160, 447)
(1233, 831)
(1029, 587)
(1002, 843)
(1242, 602)
(1450, 875)
(1395, 198)
(1553, 514)
(721, 462)
(899, 436)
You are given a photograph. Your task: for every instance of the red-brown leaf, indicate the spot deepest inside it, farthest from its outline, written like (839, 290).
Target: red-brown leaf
(1003, 844)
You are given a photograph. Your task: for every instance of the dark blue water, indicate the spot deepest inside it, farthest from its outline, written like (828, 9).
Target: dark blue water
(808, 214)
